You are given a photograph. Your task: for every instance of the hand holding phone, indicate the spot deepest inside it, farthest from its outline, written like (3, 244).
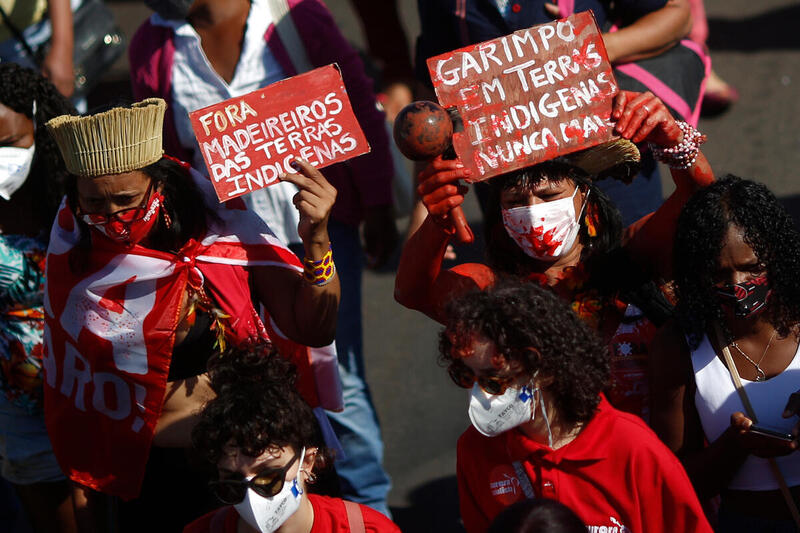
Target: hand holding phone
(771, 432)
(760, 440)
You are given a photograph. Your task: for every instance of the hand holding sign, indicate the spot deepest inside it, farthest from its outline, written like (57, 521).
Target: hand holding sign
(247, 142)
(314, 201)
(643, 117)
(527, 97)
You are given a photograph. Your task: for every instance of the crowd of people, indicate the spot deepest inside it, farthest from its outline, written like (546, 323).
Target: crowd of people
(166, 355)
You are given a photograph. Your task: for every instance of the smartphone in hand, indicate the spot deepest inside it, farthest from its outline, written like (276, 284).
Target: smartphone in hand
(772, 432)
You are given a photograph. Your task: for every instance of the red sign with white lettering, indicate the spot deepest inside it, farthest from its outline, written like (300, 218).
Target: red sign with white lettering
(529, 96)
(248, 141)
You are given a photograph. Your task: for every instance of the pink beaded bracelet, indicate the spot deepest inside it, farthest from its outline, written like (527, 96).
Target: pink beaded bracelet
(683, 155)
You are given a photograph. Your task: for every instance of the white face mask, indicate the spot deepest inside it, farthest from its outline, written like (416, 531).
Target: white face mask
(493, 414)
(15, 165)
(268, 514)
(544, 231)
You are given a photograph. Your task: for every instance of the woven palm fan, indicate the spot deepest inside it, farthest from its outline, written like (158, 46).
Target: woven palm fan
(619, 159)
(116, 141)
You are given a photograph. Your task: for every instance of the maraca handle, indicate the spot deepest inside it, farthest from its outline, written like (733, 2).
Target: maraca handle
(463, 231)
(422, 131)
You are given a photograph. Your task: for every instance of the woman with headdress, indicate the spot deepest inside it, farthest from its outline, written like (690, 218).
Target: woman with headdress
(550, 224)
(32, 176)
(148, 277)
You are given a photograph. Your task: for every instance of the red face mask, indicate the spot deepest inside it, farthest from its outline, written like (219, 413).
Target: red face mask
(745, 299)
(131, 225)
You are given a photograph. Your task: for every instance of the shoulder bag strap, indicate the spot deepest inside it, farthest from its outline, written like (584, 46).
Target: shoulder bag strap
(18, 35)
(354, 517)
(287, 32)
(737, 382)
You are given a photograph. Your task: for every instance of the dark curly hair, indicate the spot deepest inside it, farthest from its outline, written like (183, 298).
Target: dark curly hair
(517, 316)
(257, 407)
(502, 252)
(183, 202)
(19, 88)
(699, 239)
(539, 515)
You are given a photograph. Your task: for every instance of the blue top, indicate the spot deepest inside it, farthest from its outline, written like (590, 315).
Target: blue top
(21, 320)
(489, 19)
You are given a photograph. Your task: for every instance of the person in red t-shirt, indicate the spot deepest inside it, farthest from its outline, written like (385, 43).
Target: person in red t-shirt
(265, 441)
(541, 427)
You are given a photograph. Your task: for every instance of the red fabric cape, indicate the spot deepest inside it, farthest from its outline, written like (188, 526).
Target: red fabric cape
(111, 329)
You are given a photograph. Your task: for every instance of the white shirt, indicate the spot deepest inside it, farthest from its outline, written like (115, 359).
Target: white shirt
(195, 84)
(716, 400)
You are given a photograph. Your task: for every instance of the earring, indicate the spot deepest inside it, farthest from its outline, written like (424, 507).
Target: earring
(591, 220)
(310, 477)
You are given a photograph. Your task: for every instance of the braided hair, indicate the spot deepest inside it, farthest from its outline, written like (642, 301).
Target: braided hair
(19, 89)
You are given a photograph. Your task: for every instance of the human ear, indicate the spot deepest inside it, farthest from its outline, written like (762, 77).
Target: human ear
(308, 463)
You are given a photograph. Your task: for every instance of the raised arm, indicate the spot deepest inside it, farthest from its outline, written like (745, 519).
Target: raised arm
(421, 284)
(305, 310)
(57, 64)
(643, 117)
(650, 34)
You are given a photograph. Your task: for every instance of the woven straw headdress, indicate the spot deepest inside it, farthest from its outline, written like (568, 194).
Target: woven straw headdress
(116, 141)
(619, 158)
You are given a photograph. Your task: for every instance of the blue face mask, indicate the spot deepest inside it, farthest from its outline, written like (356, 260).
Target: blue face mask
(170, 9)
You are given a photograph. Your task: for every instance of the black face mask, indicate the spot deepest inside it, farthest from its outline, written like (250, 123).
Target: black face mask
(745, 299)
(170, 9)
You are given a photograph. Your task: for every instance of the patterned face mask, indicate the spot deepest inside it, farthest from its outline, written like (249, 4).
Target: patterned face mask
(745, 299)
(131, 225)
(544, 231)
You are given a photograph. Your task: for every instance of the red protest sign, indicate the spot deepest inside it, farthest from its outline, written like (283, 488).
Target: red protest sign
(248, 141)
(527, 97)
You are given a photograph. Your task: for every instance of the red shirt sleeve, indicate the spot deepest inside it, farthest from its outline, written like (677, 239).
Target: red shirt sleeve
(475, 521)
(666, 497)
(375, 522)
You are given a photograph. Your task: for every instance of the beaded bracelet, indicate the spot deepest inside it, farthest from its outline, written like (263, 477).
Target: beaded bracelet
(320, 272)
(683, 155)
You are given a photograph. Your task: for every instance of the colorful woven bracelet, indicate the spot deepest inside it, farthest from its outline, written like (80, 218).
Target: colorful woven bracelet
(683, 155)
(320, 272)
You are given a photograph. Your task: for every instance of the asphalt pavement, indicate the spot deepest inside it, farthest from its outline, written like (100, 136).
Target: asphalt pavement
(755, 46)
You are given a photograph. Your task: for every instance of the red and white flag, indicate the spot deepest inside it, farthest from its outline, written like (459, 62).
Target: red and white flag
(111, 330)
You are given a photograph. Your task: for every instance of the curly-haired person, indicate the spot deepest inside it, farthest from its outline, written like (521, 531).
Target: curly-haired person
(264, 439)
(541, 427)
(32, 176)
(737, 266)
(551, 224)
